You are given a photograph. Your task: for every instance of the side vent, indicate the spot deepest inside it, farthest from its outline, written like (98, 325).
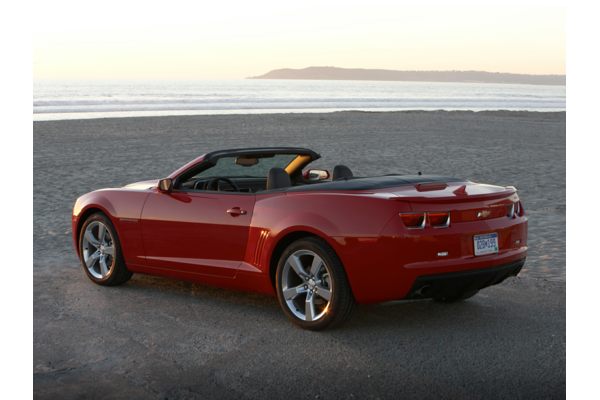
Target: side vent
(264, 234)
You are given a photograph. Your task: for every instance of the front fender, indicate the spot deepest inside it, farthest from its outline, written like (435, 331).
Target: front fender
(83, 206)
(123, 208)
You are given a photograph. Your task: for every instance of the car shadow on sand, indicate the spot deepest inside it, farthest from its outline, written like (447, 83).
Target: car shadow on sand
(480, 311)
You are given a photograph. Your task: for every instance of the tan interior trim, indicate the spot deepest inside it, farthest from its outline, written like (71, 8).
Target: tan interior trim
(296, 163)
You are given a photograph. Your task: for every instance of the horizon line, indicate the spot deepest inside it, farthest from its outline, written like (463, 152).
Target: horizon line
(246, 77)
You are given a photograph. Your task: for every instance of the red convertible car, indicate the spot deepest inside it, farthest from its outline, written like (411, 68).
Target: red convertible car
(257, 219)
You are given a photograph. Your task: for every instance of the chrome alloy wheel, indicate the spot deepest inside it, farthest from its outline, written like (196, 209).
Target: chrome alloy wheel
(306, 285)
(98, 250)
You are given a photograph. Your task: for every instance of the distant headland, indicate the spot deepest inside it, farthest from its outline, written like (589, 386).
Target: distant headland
(361, 74)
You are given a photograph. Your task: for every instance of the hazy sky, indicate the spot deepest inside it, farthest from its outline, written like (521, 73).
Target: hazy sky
(226, 40)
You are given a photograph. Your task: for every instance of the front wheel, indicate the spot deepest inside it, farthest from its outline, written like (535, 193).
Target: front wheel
(312, 287)
(100, 252)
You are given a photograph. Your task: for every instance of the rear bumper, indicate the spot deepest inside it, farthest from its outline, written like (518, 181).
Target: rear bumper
(450, 284)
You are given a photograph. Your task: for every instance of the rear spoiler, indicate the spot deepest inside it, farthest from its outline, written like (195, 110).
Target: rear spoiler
(459, 194)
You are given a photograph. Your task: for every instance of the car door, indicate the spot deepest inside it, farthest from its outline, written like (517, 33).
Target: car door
(201, 232)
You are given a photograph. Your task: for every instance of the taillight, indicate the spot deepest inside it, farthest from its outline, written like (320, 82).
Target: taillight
(421, 219)
(519, 210)
(413, 220)
(439, 219)
(510, 210)
(515, 210)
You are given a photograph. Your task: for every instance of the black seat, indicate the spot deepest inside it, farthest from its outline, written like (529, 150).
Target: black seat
(278, 178)
(341, 172)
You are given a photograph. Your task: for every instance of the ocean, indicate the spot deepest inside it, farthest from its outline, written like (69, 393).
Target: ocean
(59, 100)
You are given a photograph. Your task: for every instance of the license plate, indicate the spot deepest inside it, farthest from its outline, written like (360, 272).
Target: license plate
(485, 244)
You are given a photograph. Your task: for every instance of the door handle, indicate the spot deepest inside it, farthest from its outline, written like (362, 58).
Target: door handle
(235, 211)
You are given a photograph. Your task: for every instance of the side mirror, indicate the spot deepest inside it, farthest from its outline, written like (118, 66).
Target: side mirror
(316, 175)
(165, 185)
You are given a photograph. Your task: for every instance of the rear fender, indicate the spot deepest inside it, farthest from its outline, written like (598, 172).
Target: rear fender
(311, 223)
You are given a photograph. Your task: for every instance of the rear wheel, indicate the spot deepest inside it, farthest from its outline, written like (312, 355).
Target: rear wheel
(312, 287)
(100, 252)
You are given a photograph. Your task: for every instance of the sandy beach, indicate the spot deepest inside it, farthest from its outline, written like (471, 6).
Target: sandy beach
(156, 338)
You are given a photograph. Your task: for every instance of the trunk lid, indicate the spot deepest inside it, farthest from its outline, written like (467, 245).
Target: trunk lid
(451, 192)
(463, 201)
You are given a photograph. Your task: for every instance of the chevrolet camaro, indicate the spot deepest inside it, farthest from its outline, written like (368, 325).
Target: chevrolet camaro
(259, 219)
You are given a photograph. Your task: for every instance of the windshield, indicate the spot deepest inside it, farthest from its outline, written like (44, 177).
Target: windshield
(246, 166)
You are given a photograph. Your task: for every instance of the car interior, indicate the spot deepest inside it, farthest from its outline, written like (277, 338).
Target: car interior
(256, 173)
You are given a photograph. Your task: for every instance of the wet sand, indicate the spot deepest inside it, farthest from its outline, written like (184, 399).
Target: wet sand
(158, 338)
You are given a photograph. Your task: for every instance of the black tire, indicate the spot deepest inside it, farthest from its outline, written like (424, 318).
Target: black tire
(341, 303)
(456, 298)
(117, 270)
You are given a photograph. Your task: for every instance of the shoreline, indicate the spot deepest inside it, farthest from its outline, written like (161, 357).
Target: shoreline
(290, 112)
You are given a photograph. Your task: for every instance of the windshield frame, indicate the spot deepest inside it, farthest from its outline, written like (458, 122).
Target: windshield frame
(302, 157)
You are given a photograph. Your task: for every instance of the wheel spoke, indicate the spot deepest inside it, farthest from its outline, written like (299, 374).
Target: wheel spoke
(314, 274)
(110, 250)
(92, 259)
(296, 265)
(323, 292)
(293, 292)
(316, 265)
(309, 308)
(89, 236)
(103, 266)
(101, 233)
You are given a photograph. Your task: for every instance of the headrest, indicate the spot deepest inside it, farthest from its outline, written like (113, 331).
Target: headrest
(341, 172)
(278, 178)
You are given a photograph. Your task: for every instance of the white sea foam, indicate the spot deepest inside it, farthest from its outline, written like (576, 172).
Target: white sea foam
(54, 100)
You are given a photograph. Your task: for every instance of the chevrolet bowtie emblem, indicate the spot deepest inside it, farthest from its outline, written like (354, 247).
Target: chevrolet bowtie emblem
(482, 213)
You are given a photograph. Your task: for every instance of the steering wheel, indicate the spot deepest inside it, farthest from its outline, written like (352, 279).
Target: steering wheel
(213, 184)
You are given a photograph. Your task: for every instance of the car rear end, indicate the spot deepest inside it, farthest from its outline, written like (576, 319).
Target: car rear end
(453, 238)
